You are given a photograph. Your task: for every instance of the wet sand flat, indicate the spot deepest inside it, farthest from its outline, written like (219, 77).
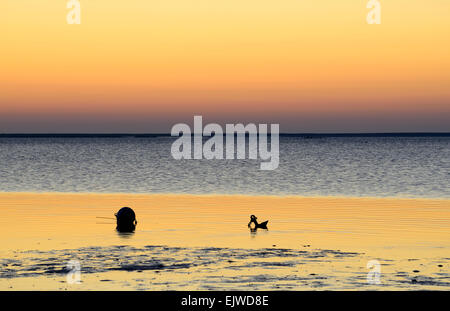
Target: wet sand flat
(201, 242)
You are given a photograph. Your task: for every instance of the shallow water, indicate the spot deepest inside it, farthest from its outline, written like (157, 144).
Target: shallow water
(202, 242)
(328, 166)
(162, 268)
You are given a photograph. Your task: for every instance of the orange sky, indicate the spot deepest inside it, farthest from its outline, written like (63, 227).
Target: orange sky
(143, 65)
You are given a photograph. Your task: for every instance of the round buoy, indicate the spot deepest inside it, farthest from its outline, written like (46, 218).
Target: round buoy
(126, 220)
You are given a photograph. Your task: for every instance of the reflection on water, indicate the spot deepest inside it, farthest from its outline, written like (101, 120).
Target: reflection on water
(203, 242)
(330, 166)
(177, 268)
(125, 235)
(254, 231)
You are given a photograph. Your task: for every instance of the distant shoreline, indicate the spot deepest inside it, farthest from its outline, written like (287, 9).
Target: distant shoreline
(4, 194)
(145, 135)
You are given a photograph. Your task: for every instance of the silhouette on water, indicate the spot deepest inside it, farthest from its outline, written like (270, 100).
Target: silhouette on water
(253, 224)
(126, 220)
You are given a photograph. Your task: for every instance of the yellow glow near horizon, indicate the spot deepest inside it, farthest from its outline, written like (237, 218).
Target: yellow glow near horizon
(291, 57)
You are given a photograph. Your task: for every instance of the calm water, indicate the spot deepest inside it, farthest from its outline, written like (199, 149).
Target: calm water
(330, 166)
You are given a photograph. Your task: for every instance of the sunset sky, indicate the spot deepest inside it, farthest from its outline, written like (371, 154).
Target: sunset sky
(144, 65)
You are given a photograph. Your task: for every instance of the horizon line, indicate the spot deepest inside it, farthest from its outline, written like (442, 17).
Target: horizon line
(305, 134)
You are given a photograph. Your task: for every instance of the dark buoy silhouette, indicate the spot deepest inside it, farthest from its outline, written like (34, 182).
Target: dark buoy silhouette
(253, 224)
(126, 220)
